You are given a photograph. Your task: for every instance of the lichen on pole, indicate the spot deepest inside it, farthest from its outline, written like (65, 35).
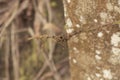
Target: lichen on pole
(94, 54)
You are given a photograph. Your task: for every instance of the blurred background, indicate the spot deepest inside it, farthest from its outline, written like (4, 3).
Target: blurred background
(28, 48)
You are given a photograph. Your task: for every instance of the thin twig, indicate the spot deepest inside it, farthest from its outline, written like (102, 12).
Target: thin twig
(51, 66)
(15, 57)
(14, 13)
(49, 9)
(41, 71)
(40, 14)
(23, 6)
(49, 74)
(7, 58)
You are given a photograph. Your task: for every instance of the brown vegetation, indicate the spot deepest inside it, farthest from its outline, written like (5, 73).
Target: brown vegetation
(25, 56)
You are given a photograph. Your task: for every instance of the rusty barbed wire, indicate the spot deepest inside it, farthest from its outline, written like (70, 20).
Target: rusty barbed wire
(61, 37)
